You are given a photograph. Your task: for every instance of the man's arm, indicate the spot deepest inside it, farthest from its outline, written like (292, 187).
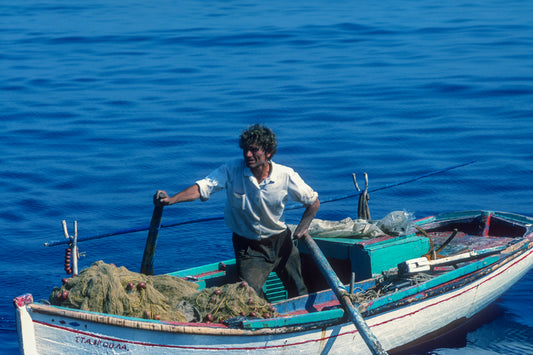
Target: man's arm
(189, 194)
(306, 220)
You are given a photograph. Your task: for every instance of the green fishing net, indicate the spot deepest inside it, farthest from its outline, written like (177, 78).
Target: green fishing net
(218, 304)
(105, 288)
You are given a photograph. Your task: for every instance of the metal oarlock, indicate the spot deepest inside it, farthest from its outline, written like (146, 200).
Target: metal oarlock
(363, 211)
(355, 182)
(71, 252)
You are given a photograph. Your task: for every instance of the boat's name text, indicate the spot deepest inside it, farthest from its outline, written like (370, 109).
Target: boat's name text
(101, 343)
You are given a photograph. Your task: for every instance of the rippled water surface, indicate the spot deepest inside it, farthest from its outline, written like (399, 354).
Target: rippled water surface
(102, 103)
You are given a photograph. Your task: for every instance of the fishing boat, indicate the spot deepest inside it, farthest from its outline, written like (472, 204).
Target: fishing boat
(377, 295)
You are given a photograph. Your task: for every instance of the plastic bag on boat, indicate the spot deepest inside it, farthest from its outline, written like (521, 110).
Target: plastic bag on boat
(346, 228)
(394, 224)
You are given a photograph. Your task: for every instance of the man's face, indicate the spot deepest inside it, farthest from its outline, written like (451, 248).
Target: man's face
(254, 156)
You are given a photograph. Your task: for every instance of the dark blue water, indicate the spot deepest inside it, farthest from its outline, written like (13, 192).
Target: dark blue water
(104, 102)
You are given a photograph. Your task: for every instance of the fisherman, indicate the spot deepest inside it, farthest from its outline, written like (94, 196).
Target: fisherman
(257, 190)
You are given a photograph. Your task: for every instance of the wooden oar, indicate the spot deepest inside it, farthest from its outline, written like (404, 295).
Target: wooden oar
(147, 265)
(338, 288)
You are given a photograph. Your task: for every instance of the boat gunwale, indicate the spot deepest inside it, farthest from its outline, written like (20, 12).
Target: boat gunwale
(170, 327)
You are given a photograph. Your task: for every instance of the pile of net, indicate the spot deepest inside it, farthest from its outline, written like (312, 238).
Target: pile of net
(105, 288)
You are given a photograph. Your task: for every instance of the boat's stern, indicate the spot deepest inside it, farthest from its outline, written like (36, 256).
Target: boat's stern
(25, 329)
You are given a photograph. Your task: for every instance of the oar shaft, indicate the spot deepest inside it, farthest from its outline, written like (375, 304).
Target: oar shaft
(338, 288)
(147, 265)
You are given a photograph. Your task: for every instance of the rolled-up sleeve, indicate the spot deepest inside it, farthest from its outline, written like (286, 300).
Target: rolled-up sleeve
(212, 183)
(299, 191)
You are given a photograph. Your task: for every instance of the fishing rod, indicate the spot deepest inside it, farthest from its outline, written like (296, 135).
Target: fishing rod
(431, 173)
(217, 218)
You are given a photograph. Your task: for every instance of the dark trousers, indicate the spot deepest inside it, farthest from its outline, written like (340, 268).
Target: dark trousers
(256, 259)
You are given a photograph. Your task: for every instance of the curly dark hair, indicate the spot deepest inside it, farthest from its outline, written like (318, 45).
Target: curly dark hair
(261, 136)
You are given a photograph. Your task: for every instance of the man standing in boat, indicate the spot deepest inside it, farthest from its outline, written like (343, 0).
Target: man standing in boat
(257, 190)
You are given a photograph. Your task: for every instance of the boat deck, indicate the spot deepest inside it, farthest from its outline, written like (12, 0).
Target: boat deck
(463, 242)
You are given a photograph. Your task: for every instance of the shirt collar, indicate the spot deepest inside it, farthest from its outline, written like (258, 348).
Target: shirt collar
(273, 173)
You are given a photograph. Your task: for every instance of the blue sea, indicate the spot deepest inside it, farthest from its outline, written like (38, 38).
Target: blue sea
(104, 102)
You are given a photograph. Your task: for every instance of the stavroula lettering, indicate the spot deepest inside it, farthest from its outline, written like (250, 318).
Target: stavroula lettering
(101, 343)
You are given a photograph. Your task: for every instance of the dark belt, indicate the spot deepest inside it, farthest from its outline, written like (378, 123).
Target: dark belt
(270, 238)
